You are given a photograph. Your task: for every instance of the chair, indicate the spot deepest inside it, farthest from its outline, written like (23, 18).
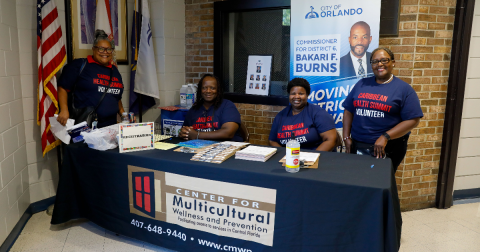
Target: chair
(244, 132)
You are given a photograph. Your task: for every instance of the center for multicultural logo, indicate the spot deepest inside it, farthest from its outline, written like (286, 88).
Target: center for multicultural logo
(221, 208)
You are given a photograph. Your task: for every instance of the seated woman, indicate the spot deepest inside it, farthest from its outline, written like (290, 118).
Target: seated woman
(313, 127)
(211, 117)
(91, 77)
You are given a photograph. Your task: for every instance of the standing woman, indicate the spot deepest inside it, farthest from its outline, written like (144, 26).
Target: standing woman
(380, 112)
(312, 126)
(92, 76)
(211, 117)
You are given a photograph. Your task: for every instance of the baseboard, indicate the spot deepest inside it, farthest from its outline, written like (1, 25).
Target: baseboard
(41, 205)
(31, 210)
(466, 194)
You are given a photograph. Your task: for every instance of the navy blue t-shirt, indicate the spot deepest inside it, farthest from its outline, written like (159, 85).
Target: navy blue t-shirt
(90, 87)
(212, 119)
(377, 108)
(306, 125)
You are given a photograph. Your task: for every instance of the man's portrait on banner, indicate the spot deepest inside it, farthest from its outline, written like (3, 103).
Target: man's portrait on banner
(357, 61)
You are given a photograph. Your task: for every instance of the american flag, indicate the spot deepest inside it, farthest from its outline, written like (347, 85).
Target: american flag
(51, 57)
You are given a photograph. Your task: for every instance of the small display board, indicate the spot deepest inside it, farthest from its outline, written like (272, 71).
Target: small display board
(258, 74)
(136, 137)
(171, 127)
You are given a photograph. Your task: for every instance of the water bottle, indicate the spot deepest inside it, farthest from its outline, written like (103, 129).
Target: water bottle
(183, 96)
(189, 96)
(194, 89)
(125, 119)
(293, 155)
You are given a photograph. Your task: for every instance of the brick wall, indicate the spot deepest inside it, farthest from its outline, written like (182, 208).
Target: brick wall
(423, 59)
(198, 39)
(422, 52)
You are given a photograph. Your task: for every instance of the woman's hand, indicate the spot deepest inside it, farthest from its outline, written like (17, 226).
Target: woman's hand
(185, 132)
(63, 117)
(379, 147)
(348, 145)
(347, 126)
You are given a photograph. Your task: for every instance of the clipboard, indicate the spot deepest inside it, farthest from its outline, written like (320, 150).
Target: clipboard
(309, 165)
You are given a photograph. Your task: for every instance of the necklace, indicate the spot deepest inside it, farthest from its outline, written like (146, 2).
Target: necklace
(390, 79)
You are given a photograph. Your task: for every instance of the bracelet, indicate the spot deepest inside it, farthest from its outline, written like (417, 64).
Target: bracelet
(387, 136)
(198, 134)
(345, 139)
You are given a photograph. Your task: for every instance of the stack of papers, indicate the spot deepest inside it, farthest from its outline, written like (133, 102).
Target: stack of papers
(164, 146)
(159, 137)
(256, 153)
(59, 130)
(308, 157)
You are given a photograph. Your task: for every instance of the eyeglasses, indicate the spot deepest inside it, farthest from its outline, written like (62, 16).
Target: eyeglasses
(103, 49)
(384, 61)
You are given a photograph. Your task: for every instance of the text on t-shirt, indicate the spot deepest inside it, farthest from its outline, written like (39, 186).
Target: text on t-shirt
(371, 103)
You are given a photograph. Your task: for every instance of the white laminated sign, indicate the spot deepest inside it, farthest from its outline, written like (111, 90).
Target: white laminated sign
(136, 137)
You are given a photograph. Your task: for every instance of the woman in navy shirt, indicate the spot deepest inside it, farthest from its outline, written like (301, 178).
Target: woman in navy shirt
(92, 82)
(211, 117)
(380, 112)
(312, 126)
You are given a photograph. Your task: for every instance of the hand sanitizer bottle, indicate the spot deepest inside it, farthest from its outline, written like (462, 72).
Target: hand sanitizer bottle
(293, 155)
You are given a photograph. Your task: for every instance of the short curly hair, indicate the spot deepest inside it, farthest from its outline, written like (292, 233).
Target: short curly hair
(390, 53)
(298, 82)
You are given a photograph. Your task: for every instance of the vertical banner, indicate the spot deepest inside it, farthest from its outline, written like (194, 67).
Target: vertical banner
(331, 44)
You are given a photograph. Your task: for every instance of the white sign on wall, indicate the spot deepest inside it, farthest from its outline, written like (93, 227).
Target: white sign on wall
(258, 74)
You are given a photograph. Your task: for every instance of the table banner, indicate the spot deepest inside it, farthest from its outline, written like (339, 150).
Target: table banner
(226, 209)
(327, 40)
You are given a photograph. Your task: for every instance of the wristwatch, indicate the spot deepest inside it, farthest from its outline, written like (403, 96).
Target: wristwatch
(387, 136)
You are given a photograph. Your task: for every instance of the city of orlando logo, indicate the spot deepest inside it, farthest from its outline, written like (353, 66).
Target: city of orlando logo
(311, 14)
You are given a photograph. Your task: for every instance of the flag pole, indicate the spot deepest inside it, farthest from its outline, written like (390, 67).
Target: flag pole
(139, 28)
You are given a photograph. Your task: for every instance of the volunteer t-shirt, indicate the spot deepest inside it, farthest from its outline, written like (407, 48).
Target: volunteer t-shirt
(377, 108)
(306, 125)
(91, 84)
(204, 120)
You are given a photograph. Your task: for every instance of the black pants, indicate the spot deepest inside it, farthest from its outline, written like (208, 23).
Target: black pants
(395, 149)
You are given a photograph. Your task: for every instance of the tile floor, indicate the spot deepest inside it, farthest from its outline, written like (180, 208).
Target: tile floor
(429, 230)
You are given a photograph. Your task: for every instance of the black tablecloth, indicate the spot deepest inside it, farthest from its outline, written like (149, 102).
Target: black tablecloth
(350, 203)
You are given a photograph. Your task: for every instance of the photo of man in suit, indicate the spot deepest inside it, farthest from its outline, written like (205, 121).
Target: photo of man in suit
(357, 61)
